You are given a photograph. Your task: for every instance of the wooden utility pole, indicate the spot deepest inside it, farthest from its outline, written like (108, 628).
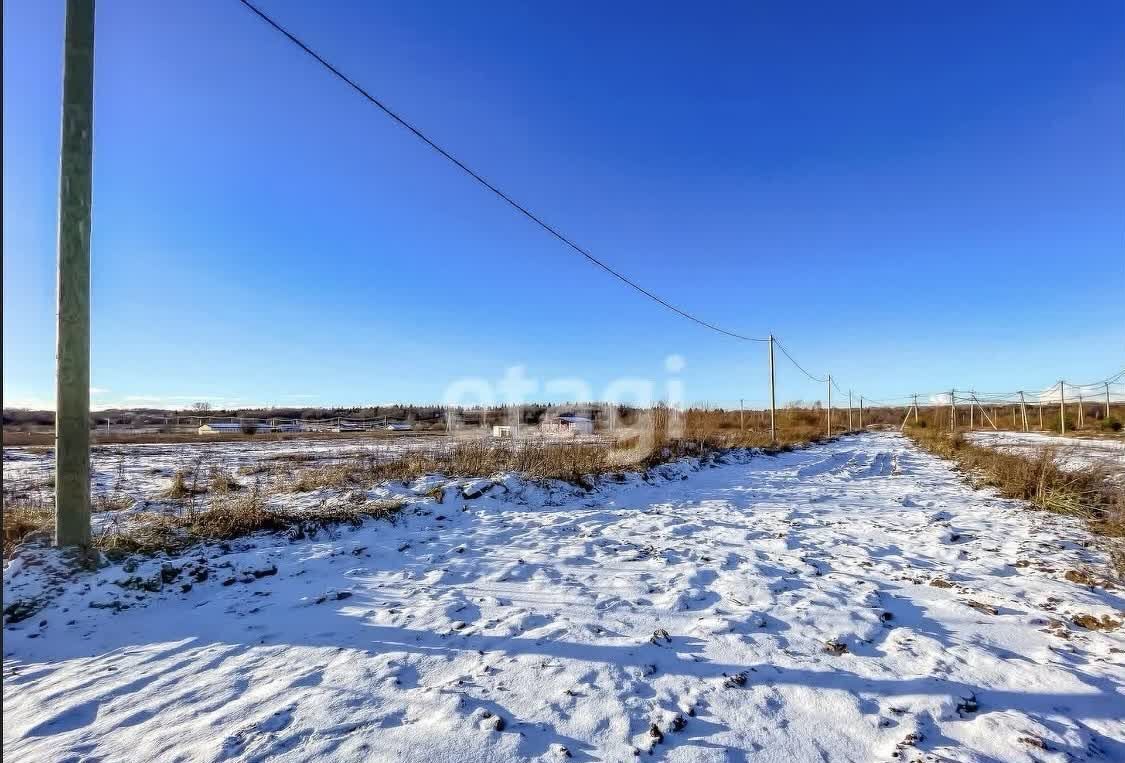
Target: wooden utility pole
(915, 409)
(1023, 412)
(1062, 407)
(984, 414)
(971, 402)
(829, 405)
(1107, 400)
(72, 349)
(861, 411)
(952, 410)
(773, 398)
(1080, 406)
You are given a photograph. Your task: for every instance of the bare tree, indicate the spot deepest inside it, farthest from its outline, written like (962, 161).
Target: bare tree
(201, 407)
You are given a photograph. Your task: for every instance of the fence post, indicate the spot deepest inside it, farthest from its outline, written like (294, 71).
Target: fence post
(72, 358)
(773, 398)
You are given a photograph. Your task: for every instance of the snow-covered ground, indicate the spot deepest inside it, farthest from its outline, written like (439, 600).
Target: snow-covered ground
(1070, 452)
(143, 472)
(854, 601)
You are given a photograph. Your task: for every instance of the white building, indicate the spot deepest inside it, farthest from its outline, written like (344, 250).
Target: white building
(233, 427)
(566, 425)
(501, 430)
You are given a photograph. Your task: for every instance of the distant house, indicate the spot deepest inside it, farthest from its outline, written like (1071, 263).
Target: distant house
(229, 427)
(351, 426)
(567, 425)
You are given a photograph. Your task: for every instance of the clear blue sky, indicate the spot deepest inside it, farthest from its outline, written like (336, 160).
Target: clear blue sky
(913, 196)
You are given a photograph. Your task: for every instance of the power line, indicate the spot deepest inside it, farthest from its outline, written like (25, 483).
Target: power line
(1102, 383)
(785, 352)
(476, 176)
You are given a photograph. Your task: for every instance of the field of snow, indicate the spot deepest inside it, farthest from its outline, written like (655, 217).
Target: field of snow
(853, 601)
(143, 471)
(1070, 452)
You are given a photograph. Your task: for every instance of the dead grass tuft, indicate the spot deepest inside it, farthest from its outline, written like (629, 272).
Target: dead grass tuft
(235, 516)
(221, 481)
(23, 518)
(231, 516)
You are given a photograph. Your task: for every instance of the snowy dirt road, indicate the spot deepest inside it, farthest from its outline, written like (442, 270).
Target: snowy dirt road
(855, 601)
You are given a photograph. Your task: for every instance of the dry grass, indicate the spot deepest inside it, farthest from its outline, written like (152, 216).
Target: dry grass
(566, 461)
(225, 520)
(23, 518)
(573, 462)
(154, 532)
(110, 502)
(230, 510)
(221, 481)
(1084, 493)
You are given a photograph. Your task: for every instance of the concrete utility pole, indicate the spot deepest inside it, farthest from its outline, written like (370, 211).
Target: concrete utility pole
(1040, 407)
(952, 410)
(1062, 407)
(861, 411)
(915, 409)
(72, 351)
(1023, 412)
(829, 405)
(849, 410)
(773, 398)
(1080, 406)
(1107, 400)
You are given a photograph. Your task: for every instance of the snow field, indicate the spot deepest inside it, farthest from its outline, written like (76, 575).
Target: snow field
(1073, 453)
(850, 601)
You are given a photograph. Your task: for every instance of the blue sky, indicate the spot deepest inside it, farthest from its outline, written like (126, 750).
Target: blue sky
(912, 196)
